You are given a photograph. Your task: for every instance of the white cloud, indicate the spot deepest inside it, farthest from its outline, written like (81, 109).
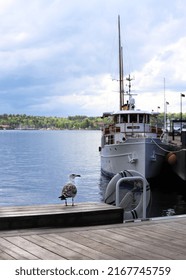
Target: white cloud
(53, 51)
(98, 95)
(170, 65)
(4, 4)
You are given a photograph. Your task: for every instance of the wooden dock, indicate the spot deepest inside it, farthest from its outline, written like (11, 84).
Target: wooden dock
(59, 215)
(153, 239)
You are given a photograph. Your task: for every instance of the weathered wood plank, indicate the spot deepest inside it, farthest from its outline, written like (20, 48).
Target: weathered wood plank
(62, 251)
(56, 208)
(98, 245)
(71, 249)
(126, 247)
(154, 239)
(168, 246)
(5, 256)
(35, 251)
(14, 250)
(167, 232)
(59, 216)
(81, 251)
(138, 243)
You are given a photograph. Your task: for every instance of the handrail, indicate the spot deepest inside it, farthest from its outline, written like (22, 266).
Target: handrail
(143, 180)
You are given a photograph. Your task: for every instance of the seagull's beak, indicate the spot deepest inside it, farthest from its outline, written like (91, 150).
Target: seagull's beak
(78, 175)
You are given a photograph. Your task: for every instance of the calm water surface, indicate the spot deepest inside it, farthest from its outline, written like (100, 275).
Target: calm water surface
(35, 165)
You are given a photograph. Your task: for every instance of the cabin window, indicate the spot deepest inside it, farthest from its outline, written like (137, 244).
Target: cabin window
(133, 127)
(124, 118)
(117, 119)
(141, 118)
(133, 118)
(147, 119)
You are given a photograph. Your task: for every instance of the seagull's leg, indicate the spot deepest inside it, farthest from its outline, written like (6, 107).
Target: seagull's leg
(65, 201)
(72, 201)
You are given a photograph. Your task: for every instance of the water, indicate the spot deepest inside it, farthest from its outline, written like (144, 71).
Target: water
(35, 165)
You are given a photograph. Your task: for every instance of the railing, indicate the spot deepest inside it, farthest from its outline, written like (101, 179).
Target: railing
(139, 178)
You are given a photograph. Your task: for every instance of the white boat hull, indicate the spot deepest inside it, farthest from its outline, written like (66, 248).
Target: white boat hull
(143, 155)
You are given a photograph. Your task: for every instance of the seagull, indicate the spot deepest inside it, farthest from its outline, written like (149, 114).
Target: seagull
(69, 189)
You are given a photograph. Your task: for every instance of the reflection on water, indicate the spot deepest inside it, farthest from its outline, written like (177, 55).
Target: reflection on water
(103, 185)
(35, 165)
(169, 212)
(168, 194)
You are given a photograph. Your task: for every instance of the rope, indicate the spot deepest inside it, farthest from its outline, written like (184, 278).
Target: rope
(165, 149)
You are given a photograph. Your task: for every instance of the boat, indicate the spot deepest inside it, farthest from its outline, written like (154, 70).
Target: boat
(131, 139)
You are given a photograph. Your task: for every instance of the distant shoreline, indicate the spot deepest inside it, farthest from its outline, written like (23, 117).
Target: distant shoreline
(46, 129)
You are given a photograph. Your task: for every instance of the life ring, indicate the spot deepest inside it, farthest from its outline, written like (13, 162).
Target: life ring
(130, 192)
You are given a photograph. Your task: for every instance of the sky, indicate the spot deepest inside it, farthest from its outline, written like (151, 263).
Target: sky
(60, 58)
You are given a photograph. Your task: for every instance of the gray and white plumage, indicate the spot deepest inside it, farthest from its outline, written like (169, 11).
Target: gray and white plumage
(69, 190)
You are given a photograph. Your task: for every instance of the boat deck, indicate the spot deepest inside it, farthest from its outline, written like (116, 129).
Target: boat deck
(159, 239)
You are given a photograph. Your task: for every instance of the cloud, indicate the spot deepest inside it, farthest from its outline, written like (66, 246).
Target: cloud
(97, 96)
(166, 69)
(59, 57)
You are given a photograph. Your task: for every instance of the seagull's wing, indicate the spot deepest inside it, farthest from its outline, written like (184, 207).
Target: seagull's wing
(69, 190)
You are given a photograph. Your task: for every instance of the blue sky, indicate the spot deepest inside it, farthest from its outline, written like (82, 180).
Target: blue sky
(60, 58)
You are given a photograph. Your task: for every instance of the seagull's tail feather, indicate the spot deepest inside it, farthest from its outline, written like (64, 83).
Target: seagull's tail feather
(62, 197)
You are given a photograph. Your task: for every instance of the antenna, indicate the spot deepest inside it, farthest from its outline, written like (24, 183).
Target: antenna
(129, 79)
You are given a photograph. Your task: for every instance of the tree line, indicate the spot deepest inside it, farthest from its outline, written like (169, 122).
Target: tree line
(11, 121)
(22, 121)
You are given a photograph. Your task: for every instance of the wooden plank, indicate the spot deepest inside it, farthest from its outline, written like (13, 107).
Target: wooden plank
(155, 239)
(35, 251)
(158, 248)
(63, 251)
(167, 232)
(98, 245)
(95, 251)
(15, 251)
(168, 247)
(71, 245)
(126, 247)
(56, 208)
(59, 216)
(5, 256)
(71, 250)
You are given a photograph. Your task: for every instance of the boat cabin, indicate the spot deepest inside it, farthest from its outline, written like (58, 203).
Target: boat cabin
(130, 124)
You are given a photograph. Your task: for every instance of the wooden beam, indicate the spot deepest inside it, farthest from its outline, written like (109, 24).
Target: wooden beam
(82, 214)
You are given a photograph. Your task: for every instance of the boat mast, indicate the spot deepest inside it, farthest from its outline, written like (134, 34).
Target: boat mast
(121, 87)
